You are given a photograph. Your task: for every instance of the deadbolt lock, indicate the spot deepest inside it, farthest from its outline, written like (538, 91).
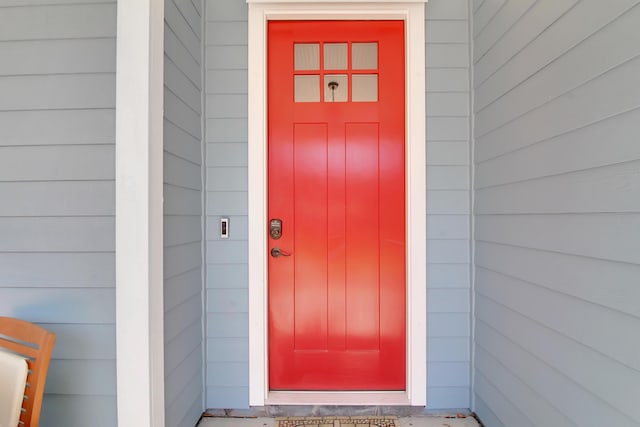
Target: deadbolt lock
(275, 228)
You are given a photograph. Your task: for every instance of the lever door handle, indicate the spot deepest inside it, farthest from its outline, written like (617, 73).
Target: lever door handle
(276, 252)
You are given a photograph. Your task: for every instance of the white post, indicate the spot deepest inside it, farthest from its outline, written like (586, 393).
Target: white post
(139, 213)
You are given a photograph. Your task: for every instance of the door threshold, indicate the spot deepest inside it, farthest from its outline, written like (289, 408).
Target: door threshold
(387, 398)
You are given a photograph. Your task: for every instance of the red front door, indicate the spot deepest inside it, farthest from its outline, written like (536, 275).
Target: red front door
(336, 288)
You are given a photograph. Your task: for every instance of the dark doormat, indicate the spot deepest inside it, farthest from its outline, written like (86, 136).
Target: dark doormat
(360, 421)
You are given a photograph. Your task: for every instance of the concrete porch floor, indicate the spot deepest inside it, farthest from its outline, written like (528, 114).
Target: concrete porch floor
(409, 421)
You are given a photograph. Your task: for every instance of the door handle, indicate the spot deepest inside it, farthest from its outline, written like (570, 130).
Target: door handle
(276, 252)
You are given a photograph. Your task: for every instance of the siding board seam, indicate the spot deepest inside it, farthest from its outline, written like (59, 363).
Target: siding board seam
(188, 326)
(177, 245)
(475, 8)
(188, 298)
(174, 276)
(555, 291)
(445, 43)
(169, 184)
(559, 174)
(560, 95)
(230, 21)
(55, 216)
(179, 335)
(552, 330)
(56, 251)
(188, 132)
(59, 74)
(550, 62)
(59, 38)
(72, 288)
(556, 371)
(531, 40)
(499, 38)
(489, 409)
(506, 398)
(497, 11)
(42, 181)
(172, 154)
(181, 215)
(78, 395)
(182, 43)
(187, 384)
(178, 156)
(550, 250)
(182, 71)
(98, 144)
(444, 91)
(199, 37)
(445, 67)
(83, 359)
(53, 5)
(564, 133)
(26, 110)
(182, 101)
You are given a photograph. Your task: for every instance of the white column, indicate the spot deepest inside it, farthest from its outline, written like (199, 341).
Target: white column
(139, 213)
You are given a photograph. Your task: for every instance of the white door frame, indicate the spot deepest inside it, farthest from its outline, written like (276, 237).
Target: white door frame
(412, 12)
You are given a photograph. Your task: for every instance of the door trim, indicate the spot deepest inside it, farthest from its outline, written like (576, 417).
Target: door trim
(413, 15)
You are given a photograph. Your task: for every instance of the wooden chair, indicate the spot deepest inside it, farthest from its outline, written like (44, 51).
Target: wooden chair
(36, 345)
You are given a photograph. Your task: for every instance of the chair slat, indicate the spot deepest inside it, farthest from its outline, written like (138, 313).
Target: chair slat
(36, 344)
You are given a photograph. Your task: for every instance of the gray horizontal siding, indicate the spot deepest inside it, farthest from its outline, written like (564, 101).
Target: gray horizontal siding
(57, 168)
(448, 110)
(557, 178)
(183, 225)
(227, 332)
(448, 187)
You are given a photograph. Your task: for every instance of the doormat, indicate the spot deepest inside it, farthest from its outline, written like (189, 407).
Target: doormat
(362, 421)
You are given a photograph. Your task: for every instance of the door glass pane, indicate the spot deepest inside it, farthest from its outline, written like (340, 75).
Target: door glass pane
(335, 56)
(365, 88)
(336, 88)
(365, 56)
(306, 89)
(306, 56)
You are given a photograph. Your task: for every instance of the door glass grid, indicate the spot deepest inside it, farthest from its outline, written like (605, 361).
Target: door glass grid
(335, 72)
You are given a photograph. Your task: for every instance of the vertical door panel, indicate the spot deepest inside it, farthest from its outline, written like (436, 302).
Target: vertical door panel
(310, 234)
(362, 237)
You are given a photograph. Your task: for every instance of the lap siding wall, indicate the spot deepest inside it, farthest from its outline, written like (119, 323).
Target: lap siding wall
(183, 213)
(557, 191)
(57, 228)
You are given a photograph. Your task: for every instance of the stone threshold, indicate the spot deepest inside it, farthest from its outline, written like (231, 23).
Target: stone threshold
(275, 411)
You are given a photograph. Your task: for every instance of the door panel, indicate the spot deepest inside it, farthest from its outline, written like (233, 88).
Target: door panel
(362, 236)
(336, 296)
(310, 236)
